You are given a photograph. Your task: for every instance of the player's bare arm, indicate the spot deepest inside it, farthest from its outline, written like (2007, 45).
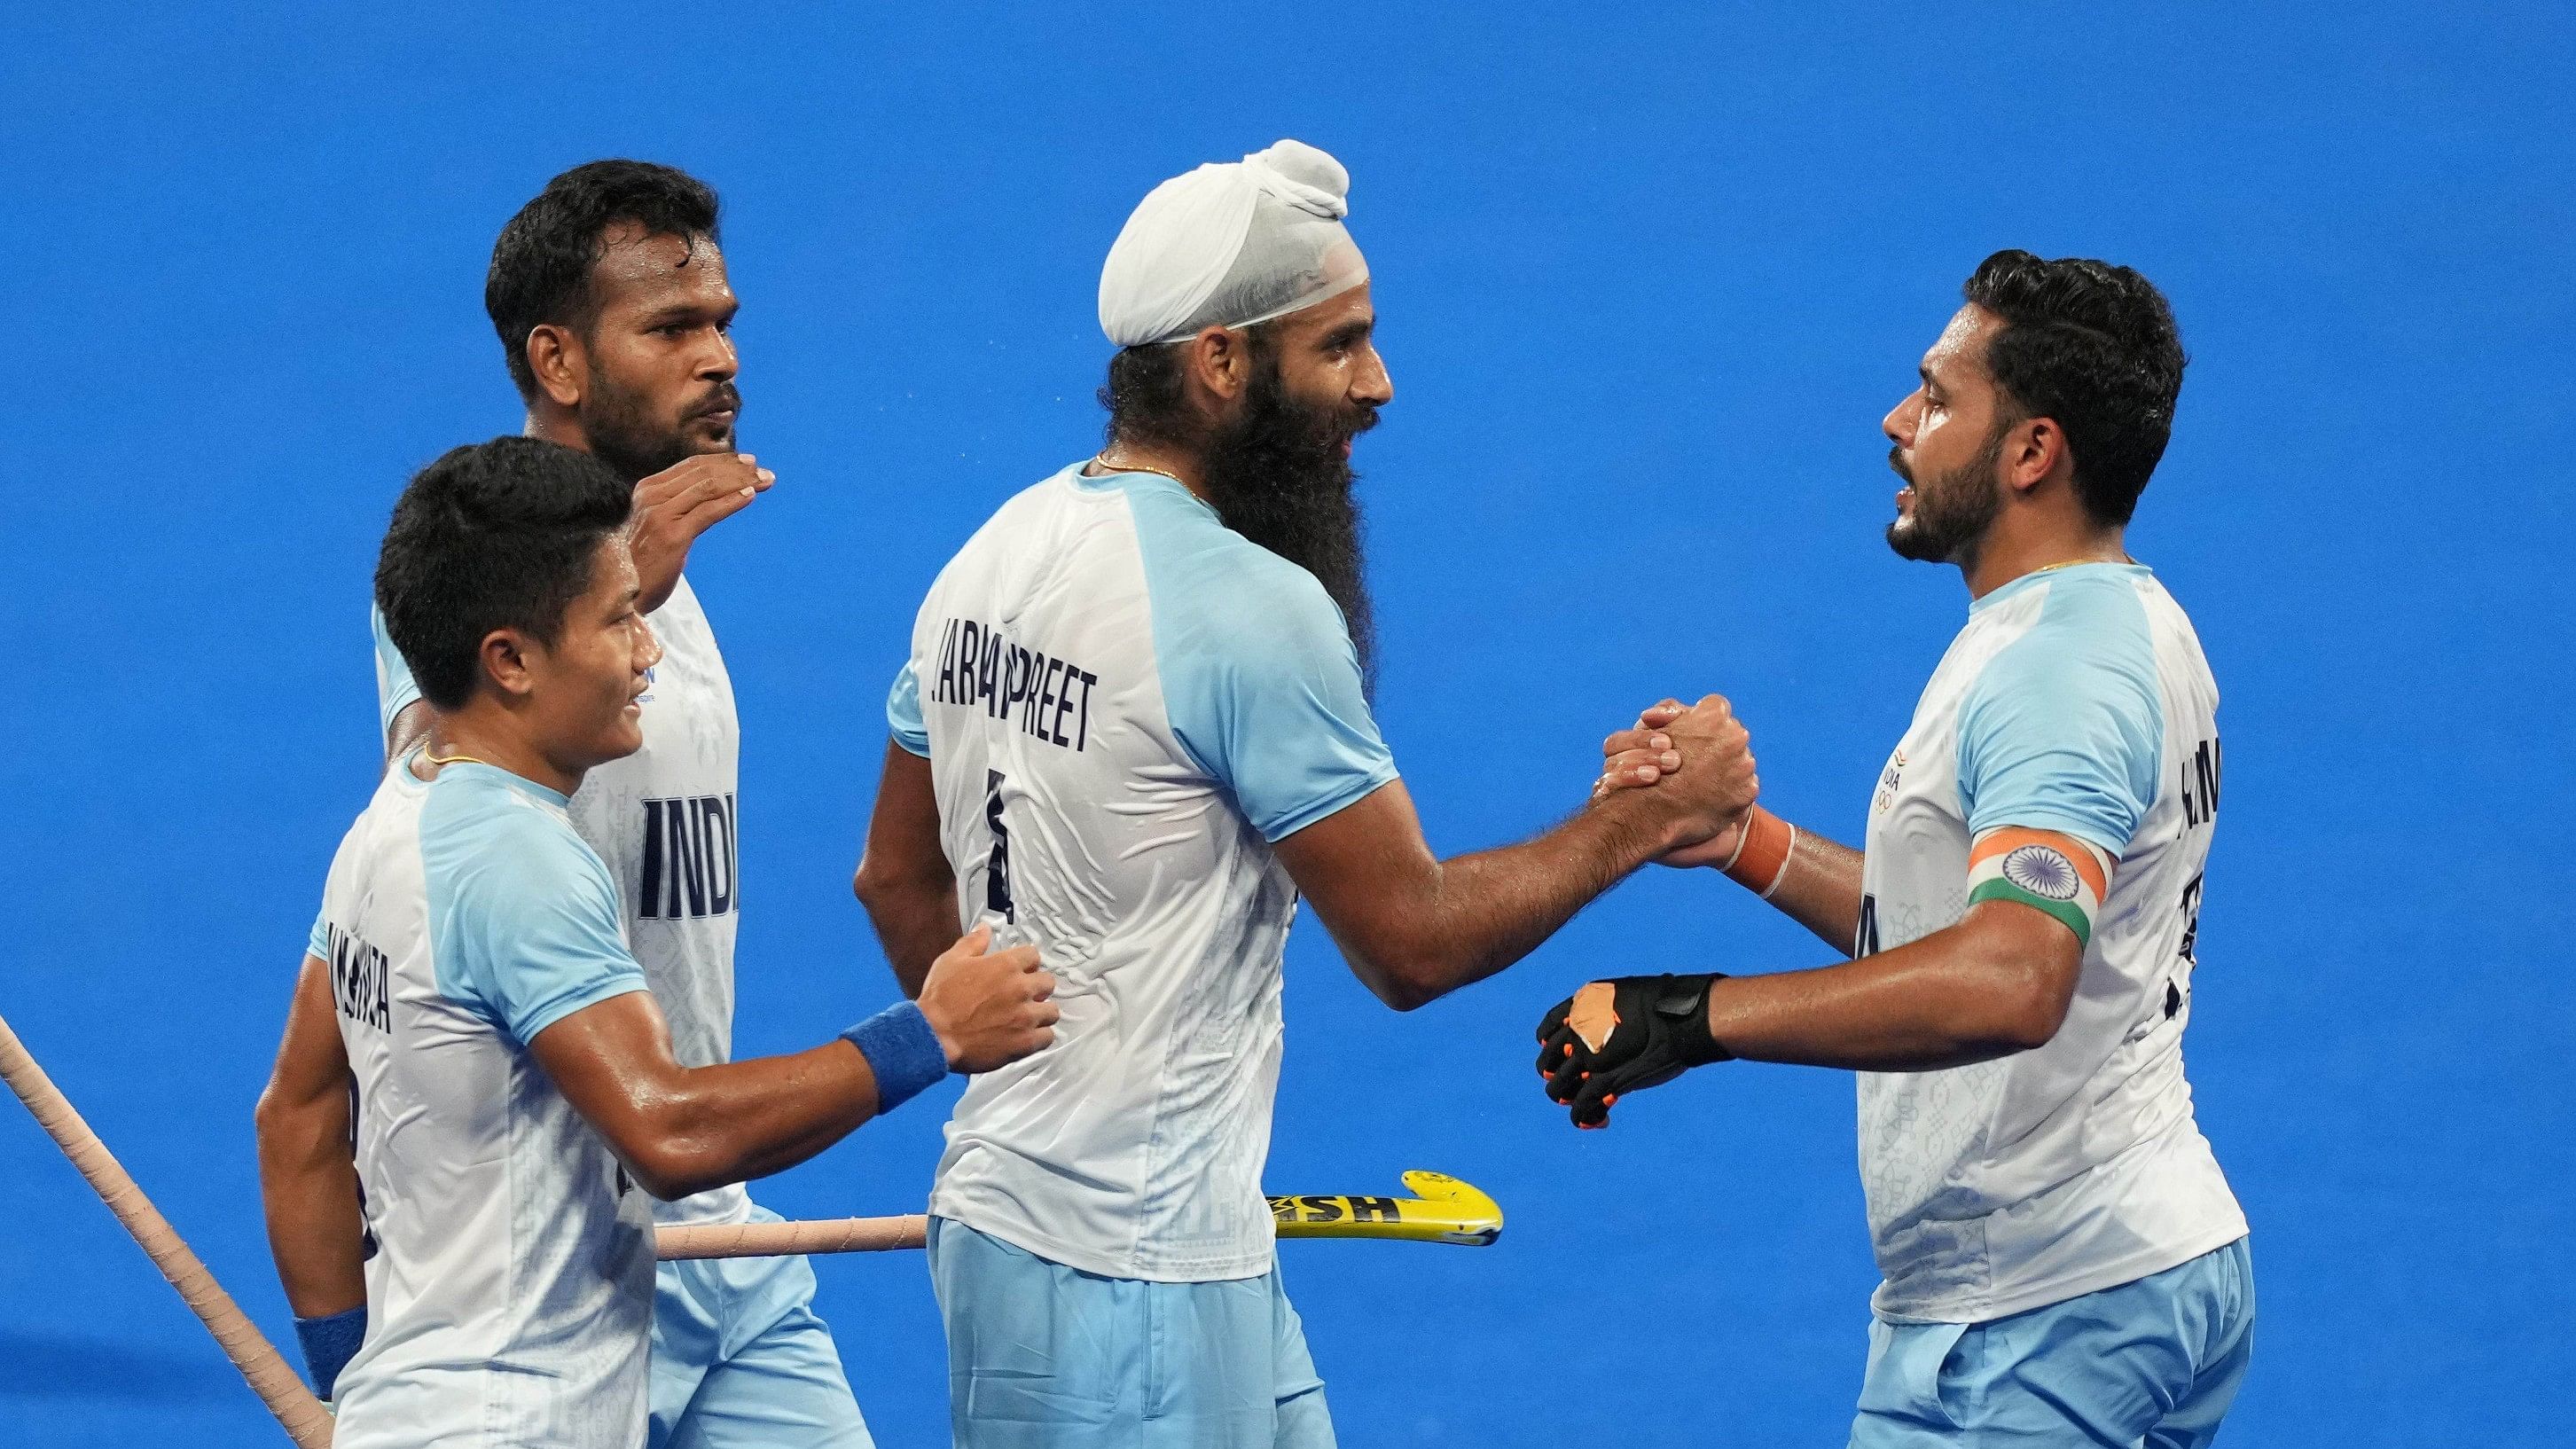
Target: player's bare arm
(904, 879)
(683, 1130)
(1996, 983)
(308, 1184)
(1415, 927)
(1812, 880)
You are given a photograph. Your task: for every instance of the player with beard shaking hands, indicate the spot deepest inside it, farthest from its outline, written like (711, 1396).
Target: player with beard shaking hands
(1133, 730)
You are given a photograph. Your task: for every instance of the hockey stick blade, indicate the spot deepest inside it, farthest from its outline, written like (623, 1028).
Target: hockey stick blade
(1444, 1210)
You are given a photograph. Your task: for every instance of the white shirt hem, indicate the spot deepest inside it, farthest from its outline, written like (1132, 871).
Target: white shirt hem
(1985, 1308)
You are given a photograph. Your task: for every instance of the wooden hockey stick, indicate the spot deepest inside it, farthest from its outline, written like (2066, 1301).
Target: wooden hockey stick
(276, 1383)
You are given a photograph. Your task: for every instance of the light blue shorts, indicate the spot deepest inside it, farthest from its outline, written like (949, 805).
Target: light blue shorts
(2154, 1363)
(740, 1360)
(1042, 1356)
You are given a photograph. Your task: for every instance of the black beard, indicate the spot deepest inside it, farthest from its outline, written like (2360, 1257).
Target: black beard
(1950, 516)
(1278, 476)
(624, 434)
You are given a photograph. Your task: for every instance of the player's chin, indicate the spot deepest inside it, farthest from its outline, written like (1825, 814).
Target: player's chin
(709, 435)
(626, 735)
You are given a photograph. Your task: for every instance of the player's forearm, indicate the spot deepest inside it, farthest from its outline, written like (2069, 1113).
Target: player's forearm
(1820, 890)
(309, 1192)
(710, 1126)
(1979, 990)
(904, 879)
(915, 918)
(1480, 913)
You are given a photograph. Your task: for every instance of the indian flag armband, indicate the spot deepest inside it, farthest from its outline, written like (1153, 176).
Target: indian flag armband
(2042, 869)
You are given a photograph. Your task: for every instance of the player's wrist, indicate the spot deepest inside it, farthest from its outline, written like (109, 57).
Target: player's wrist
(329, 1343)
(1694, 1033)
(904, 1052)
(1763, 845)
(1654, 825)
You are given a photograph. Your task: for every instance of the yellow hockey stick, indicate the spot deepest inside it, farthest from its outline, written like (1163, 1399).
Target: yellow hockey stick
(1446, 1211)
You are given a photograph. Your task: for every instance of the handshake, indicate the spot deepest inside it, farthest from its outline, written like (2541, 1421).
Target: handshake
(1691, 769)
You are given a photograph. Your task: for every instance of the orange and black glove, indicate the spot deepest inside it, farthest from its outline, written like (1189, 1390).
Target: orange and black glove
(1614, 1037)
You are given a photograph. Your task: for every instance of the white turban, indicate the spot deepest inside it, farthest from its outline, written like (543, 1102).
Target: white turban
(1231, 244)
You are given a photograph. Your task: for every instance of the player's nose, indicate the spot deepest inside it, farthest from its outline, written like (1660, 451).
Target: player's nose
(1899, 423)
(1373, 386)
(720, 362)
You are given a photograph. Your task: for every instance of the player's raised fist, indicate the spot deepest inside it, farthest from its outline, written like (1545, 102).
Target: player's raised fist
(682, 501)
(990, 1008)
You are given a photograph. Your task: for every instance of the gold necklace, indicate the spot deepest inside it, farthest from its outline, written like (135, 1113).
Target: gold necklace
(450, 759)
(2076, 562)
(1102, 458)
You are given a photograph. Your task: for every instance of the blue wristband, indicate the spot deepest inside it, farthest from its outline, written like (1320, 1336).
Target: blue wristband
(329, 1344)
(902, 1050)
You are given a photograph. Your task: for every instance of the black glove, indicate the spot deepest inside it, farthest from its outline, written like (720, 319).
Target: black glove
(1614, 1037)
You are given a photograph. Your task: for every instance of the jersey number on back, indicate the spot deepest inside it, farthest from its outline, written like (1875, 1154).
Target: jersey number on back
(997, 866)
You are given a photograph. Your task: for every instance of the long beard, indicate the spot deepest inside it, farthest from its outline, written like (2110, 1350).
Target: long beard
(1952, 513)
(1278, 476)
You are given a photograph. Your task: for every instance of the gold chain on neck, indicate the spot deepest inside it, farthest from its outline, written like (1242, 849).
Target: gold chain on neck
(1102, 458)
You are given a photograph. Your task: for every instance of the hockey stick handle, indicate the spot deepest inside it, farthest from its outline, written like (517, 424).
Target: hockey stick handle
(774, 1240)
(270, 1376)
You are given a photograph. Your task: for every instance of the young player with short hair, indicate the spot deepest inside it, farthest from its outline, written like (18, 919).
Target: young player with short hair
(2064, 1262)
(469, 1013)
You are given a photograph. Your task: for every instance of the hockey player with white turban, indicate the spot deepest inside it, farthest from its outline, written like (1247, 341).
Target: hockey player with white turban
(1134, 729)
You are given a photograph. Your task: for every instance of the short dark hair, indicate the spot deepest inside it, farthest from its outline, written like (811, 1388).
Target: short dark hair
(2094, 347)
(541, 265)
(496, 535)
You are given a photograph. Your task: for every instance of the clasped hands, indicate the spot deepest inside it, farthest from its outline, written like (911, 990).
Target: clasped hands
(1631, 1032)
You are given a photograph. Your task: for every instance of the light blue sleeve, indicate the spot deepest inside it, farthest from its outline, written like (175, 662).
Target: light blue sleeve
(318, 941)
(903, 712)
(2064, 730)
(1259, 677)
(394, 687)
(523, 915)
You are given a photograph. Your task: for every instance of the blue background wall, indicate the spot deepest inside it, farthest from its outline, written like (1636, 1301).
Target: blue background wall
(1648, 280)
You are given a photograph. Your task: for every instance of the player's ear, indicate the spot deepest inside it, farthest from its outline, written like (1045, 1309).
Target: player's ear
(505, 658)
(2034, 451)
(556, 360)
(1220, 364)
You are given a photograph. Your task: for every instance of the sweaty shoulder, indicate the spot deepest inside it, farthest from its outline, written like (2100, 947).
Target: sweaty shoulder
(2064, 728)
(1259, 676)
(524, 920)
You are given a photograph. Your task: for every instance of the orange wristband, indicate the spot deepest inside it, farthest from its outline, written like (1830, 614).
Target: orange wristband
(1762, 854)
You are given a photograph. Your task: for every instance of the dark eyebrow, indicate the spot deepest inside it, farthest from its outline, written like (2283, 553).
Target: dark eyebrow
(1349, 332)
(689, 312)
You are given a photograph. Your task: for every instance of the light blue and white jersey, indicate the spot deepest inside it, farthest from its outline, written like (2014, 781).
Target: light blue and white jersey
(2076, 700)
(663, 818)
(510, 1262)
(1124, 703)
